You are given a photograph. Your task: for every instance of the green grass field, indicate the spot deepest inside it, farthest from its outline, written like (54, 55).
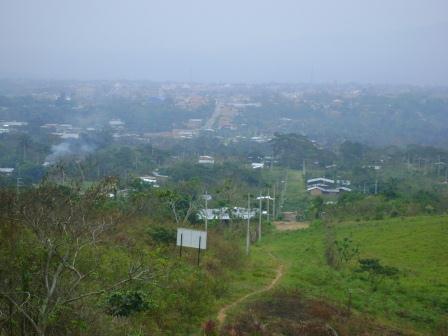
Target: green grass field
(418, 247)
(295, 194)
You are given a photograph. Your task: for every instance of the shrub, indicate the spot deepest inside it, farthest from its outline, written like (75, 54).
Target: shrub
(126, 303)
(162, 234)
(346, 250)
(377, 272)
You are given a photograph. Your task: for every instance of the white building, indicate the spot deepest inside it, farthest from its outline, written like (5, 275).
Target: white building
(6, 171)
(69, 136)
(319, 181)
(343, 182)
(204, 159)
(225, 214)
(15, 123)
(257, 165)
(116, 123)
(150, 180)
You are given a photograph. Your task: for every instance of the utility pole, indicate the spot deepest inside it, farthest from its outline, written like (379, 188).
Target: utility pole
(439, 166)
(376, 186)
(259, 219)
(267, 207)
(273, 206)
(248, 225)
(63, 175)
(303, 168)
(19, 184)
(206, 211)
(24, 151)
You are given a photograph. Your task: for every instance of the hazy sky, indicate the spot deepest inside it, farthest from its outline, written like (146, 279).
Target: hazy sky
(377, 41)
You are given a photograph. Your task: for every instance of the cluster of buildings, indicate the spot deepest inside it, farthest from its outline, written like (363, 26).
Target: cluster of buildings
(6, 171)
(209, 160)
(322, 186)
(63, 131)
(154, 180)
(12, 126)
(206, 160)
(191, 102)
(226, 214)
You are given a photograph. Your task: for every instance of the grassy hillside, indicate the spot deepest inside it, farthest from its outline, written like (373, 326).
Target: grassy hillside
(295, 191)
(418, 300)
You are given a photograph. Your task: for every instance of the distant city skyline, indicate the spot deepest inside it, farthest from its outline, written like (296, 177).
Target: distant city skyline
(286, 41)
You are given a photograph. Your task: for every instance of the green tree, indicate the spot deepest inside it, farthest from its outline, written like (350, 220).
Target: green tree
(317, 206)
(55, 252)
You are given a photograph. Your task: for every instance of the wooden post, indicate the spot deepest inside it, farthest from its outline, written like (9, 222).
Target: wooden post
(259, 220)
(248, 225)
(206, 212)
(180, 250)
(267, 206)
(199, 249)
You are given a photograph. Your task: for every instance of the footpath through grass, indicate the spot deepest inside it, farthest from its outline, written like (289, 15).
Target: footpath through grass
(418, 247)
(259, 270)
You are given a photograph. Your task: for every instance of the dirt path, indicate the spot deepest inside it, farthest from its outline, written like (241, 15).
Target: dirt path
(222, 314)
(289, 216)
(286, 226)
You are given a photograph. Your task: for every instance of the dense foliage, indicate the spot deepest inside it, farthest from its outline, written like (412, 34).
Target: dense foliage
(72, 260)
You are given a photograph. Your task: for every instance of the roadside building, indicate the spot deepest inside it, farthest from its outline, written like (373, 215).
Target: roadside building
(257, 165)
(151, 180)
(321, 191)
(225, 214)
(6, 171)
(208, 160)
(320, 181)
(321, 186)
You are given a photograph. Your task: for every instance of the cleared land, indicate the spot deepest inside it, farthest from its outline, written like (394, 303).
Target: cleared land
(291, 226)
(415, 303)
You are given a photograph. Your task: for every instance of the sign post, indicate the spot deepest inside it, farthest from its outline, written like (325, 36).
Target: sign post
(180, 250)
(259, 218)
(199, 249)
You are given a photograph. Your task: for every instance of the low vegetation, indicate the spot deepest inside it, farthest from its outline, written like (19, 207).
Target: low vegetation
(394, 270)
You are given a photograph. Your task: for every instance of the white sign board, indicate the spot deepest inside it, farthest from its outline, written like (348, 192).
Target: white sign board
(191, 238)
